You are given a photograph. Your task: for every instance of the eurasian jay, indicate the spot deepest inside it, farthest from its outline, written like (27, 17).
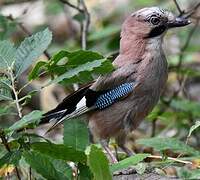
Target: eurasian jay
(115, 104)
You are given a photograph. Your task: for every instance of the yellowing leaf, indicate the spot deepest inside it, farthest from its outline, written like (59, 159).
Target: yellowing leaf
(6, 169)
(196, 163)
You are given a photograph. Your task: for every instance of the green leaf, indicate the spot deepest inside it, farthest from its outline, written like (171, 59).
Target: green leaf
(75, 58)
(30, 49)
(59, 151)
(84, 172)
(7, 27)
(4, 111)
(30, 118)
(43, 165)
(5, 91)
(12, 157)
(195, 126)
(161, 144)
(72, 67)
(76, 134)
(187, 106)
(57, 57)
(62, 167)
(7, 55)
(133, 160)
(77, 66)
(188, 174)
(82, 57)
(89, 66)
(36, 70)
(99, 164)
(183, 173)
(36, 137)
(79, 17)
(195, 174)
(141, 168)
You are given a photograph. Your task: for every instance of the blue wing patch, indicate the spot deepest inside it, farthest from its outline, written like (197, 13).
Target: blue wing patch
(113, 95)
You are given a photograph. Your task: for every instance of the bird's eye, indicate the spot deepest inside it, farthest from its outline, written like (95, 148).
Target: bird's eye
(154, 20)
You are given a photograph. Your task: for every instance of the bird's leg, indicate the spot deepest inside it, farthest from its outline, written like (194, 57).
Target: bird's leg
(104, 143)
(91, 137)
(126, 150)
(121, 140)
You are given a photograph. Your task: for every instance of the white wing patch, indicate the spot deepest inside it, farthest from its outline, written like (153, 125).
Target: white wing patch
(82, 103)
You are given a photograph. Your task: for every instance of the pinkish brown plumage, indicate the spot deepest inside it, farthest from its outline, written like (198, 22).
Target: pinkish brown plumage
(142, 63)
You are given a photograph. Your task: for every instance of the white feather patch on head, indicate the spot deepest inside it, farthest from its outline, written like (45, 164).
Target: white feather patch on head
(149, 10)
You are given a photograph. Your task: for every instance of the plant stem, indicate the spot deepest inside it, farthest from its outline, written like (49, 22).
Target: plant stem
(5, 143)
(15, 93)
(86, 24)
(171, 158)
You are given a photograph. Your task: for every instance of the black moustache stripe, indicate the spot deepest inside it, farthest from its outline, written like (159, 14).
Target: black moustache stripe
(156, 31)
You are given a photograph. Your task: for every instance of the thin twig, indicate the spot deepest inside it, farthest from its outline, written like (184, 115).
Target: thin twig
(189, 13)
(187, 42)
(71, 5)
(178, 8)
(27, 84)
(86, 24)
(153, 131)
(178, 66)
(171, 158)
(81, 8)
(30, 173)
(192, 11)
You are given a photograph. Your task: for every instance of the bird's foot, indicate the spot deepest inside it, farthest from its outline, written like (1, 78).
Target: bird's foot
(112, 157)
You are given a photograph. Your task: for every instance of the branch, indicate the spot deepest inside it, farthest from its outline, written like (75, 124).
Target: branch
(71, 5)
(172, 159)
(81, 8)
(86, 24)
(15, 92)
(187, 42)
(181, 12)
(187, 14)
(193, 10)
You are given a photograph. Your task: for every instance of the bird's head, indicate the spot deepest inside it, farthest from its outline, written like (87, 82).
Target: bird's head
(151, 22)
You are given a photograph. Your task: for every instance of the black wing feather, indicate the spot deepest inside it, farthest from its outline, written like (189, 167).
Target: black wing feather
(96, 99)
(69, 104)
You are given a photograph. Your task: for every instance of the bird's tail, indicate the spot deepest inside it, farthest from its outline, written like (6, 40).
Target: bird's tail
(67, 107)
(52, 115)
(62, 118)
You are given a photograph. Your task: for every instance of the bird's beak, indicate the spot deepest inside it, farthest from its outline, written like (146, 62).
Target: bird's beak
(178, 22)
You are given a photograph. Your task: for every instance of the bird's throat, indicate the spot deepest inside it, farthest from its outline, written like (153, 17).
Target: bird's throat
(133, 46)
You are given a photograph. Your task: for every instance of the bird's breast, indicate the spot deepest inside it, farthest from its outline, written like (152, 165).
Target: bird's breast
(130, 111)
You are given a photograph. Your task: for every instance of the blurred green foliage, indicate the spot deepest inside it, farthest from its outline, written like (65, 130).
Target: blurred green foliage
(70, 65)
